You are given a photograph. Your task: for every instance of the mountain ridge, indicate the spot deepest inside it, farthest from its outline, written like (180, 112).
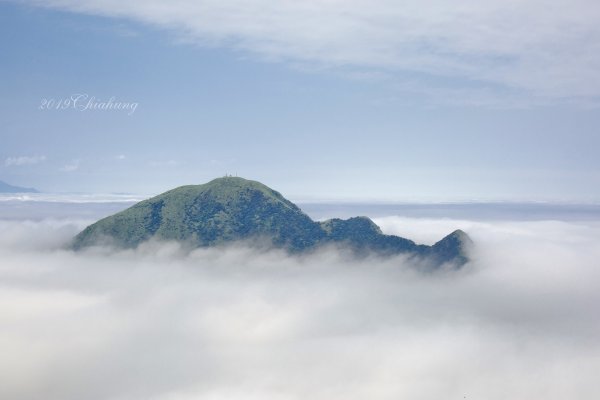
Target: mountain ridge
(232, 209)
(7, 188)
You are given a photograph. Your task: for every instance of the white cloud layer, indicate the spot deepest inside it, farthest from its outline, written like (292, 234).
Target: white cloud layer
(521, 322)
(546, 50)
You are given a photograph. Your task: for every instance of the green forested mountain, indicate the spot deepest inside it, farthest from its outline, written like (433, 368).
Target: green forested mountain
(232, 209)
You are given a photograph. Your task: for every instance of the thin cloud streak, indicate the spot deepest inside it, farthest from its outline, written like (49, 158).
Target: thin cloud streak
(71, 167)
(23, 160)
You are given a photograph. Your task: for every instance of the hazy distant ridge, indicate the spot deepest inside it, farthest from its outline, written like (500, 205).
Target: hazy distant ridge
(6, 188)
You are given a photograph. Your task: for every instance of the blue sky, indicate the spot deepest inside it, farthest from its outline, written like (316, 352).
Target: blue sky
(313, 101)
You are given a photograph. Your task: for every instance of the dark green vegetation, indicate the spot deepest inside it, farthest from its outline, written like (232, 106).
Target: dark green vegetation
(6, 188)
(230, 209)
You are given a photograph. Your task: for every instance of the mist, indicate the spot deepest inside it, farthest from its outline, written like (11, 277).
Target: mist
(520, 321)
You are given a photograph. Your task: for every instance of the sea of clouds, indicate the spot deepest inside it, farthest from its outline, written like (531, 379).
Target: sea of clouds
(521, 321)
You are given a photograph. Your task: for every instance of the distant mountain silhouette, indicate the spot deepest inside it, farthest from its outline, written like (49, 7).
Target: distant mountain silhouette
(6, 188)
(232, 209)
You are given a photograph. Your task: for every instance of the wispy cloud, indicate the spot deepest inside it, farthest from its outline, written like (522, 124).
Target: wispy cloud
(70, 167)
(23, 160)
(549, 51)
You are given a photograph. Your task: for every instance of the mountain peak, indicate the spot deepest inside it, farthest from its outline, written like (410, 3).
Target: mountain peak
(223, 210)
(232, 187)
(453, 247)
(235, 181)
